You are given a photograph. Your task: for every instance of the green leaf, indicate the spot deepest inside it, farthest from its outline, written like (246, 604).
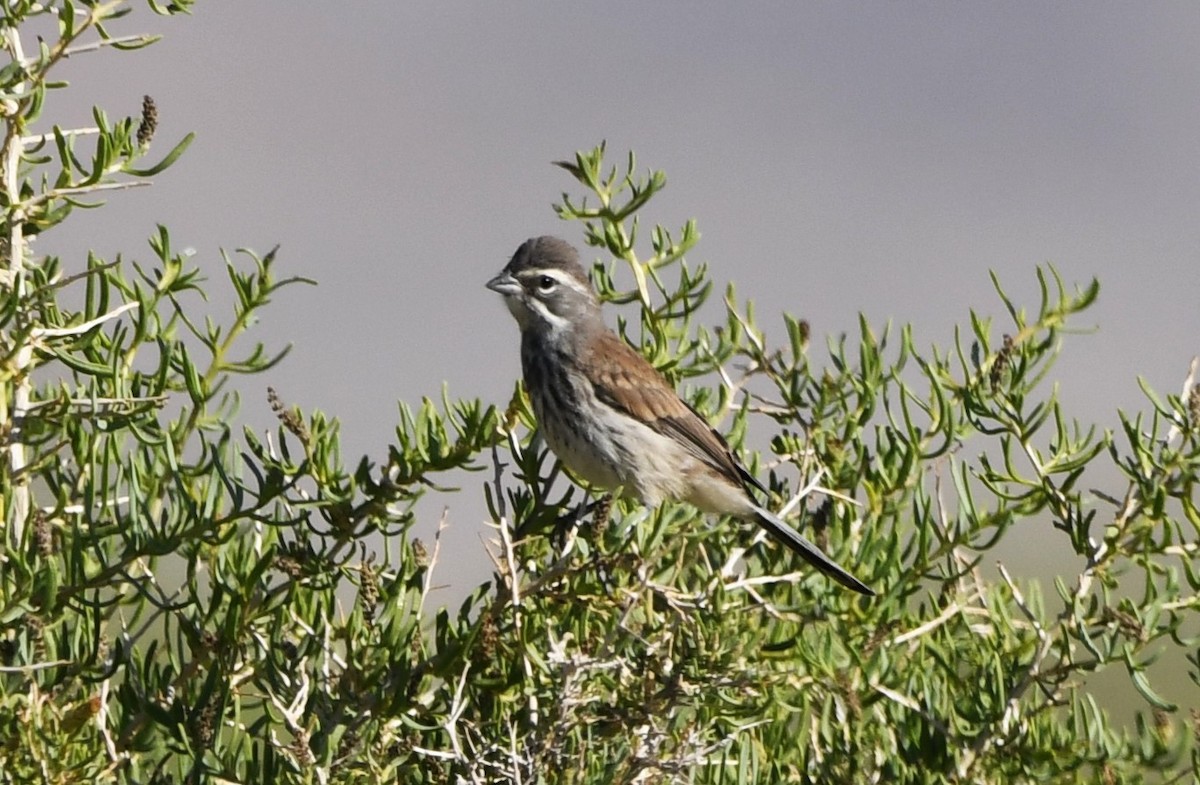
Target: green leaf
(167, 160)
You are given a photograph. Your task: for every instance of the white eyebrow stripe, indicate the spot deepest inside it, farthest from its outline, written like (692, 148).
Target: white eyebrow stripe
(561, 277)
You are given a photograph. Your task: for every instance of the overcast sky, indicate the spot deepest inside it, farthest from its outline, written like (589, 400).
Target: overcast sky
(839, 157)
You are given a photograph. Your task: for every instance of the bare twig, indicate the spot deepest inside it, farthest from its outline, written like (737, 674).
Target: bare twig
(106, 42)
(457, 707)
(101, 404)
(10, 161)
(912, 705)
(946, 615)
(1189, 382)
(32, 141)
(1012, 711)
(513, 575)
(84, 190)
(427, 586)
(79, 329)
(110, 744)
(34, 666)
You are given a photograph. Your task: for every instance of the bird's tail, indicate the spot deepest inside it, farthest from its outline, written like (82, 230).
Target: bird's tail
(809, 552)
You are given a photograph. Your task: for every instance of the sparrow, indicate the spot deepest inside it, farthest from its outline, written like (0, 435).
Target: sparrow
(610, 416)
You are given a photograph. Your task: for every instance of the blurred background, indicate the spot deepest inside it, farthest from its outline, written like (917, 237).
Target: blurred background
(839, 157)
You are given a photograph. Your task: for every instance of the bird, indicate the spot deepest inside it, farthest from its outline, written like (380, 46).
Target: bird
(611, 417)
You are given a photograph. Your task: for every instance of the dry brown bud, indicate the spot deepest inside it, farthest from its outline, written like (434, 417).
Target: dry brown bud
(290, 418)
(149, 124)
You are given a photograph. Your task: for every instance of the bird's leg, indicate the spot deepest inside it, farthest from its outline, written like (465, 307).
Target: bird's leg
(569, 522)
(818, 524)
(601, 509)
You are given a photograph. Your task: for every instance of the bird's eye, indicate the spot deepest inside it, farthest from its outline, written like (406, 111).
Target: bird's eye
(546, 283)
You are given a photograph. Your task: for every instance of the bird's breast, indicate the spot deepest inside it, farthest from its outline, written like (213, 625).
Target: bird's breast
(570, 417)
(602, 445)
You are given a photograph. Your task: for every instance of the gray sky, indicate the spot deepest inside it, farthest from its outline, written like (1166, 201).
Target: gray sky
(839, 157)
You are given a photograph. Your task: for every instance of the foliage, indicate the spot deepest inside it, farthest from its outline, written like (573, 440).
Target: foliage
(179, 601)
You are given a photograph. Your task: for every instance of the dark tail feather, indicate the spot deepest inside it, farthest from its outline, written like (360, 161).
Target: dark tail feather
(809, 552)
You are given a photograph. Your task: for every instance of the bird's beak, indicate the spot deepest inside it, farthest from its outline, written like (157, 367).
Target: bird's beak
(505, 284)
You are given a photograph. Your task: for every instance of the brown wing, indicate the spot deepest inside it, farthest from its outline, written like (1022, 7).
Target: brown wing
(624, 380)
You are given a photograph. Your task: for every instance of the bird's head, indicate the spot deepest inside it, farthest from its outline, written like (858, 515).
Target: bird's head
(545, 287)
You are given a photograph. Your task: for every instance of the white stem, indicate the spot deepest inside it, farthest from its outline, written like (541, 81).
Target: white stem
(30, 141)
(1177, 428)
(106, 42)
(35, 666)
(79, 329)
(101, 404)
(427, 586)
(17, 456)
(84, 190)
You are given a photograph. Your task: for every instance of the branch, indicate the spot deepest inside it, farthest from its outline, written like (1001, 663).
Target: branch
(427, 586)
(30, 141)
(513, 573)
(36, 666)
(135, 40)
(10, 161)
(60, 332)
(912, 705)
(1188, 382)
(1012, 709)
(100, 403)
(83, 190)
